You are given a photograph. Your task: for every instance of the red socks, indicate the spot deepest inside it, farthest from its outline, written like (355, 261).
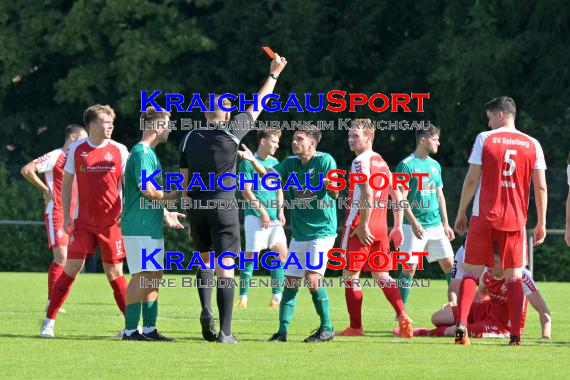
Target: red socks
(119, 286)
(438, 331)
(467, 292)
(515, 302)
(353, 298)
(59, 293)
(55, 270)
(393, 295)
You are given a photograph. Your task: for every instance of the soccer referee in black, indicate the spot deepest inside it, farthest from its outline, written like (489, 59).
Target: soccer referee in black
(214, 150)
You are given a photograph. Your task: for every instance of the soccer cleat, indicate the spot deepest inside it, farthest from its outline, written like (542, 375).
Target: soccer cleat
(136, 336)
(461, 336)
(208, 325)
(228, 339)
(158, 337)
(349, 331)
(405, 323)
(515, 341)
(278, 338)
(241, 304)
(320, 335)
(47, 328)
(274, 304)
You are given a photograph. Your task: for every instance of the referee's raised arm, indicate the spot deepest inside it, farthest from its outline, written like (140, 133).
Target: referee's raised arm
(277, 65)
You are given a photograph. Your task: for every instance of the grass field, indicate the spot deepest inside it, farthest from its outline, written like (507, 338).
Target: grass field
(83, 347)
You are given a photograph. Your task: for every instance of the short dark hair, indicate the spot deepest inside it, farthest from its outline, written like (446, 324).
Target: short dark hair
(73, 129)
(432, 130)
(265, 133)
(152, 114)
(311, 130)
(502, 103)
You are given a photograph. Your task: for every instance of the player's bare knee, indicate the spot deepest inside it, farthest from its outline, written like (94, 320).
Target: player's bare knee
(446, 264)
(349, 273)
(410, 272)
(249, 255)
(113, 271)
(205, 256)
(223, 272)
(73, 267)
(292, 282)
(60, 255)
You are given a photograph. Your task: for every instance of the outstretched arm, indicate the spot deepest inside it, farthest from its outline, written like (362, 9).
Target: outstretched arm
(277, 65)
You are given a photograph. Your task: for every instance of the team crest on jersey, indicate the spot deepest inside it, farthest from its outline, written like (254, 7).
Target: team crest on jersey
(84, 154)
(108, 156)
(59, 233)
(311, 170)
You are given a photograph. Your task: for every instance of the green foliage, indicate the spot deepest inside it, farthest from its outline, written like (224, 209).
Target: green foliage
(59, 57)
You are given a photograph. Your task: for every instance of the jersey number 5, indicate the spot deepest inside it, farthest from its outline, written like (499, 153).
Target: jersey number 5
(509, 161)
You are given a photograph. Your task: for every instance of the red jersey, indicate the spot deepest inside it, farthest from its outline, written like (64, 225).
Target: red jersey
(99, 171)
(51, 165)
(370, 163)
(507, 157)
(497, 291)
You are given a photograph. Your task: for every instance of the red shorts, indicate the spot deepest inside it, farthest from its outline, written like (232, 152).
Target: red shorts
(483, 241)
(85, 239)
(352, 244)
(55, 233)
(481, 323)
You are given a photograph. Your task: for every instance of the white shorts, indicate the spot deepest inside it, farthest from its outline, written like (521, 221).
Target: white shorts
(434, 242)
(258, 239)
(134, 246)
(317, 249)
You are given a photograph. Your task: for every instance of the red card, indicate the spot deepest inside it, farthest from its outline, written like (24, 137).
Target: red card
(268, 51)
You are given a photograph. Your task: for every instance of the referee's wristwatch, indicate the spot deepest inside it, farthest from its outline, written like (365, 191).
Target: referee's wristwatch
(274, 76)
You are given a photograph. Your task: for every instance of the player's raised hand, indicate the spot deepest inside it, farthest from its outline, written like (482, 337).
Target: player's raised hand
(461, 224)
(539, 234)
(245, 154)
(277, 64)
(364, 235)
(171, 220)
(397, 236)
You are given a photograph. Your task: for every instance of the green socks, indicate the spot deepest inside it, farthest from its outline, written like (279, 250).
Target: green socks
(278, 274)
(321, 302)
(405, 290)
(150, 313)
(287, 309)
(245, 274)
(132, 316)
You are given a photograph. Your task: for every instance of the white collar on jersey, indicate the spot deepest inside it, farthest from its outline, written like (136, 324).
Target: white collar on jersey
(103, 144)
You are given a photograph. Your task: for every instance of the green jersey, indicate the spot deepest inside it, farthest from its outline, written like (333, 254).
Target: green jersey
(137, 221)
(430, 216)
(316, 223)
(262, 194)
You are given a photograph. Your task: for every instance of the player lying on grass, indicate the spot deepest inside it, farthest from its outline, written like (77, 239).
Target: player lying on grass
(489, 315)
(366, 230)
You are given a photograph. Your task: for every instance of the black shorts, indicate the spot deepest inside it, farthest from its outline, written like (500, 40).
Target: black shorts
(215, 230)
